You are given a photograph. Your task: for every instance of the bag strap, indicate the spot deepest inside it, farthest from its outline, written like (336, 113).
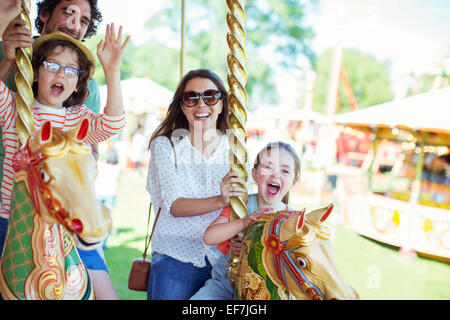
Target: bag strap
(147, 238)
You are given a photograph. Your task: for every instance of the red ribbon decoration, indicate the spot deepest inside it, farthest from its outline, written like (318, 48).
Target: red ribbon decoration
(274, 244)
(278, 250)
(29, 162)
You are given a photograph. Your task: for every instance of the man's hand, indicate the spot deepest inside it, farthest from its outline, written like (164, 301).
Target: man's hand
(9, 9)
(16, 35)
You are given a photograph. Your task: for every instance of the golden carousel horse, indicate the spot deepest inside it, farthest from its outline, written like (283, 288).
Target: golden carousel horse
(53, 209)
(288, 255)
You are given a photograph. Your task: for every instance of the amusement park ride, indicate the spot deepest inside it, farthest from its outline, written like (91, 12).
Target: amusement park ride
(285, 255)
(403, 201)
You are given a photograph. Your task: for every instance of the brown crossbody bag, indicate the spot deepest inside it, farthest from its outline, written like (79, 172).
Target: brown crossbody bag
(140, 268)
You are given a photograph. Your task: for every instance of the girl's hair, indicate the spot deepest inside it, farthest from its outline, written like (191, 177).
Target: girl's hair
(84, 64)
(50, 5)
(288, 148)
(175, 118)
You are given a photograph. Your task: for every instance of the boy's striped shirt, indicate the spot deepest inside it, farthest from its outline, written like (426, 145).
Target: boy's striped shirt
(102, 127)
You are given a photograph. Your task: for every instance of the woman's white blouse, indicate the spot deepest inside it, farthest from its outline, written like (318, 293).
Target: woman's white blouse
(192, 177)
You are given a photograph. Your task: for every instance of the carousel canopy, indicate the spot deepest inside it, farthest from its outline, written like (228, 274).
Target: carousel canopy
(428, 112)
(141, 95)
(285, 113)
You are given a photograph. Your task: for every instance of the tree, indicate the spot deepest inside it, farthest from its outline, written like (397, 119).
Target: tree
(368, 78)
(270, 25)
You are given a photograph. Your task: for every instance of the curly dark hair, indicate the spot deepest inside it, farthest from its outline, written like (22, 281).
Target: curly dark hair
(50, 5)
(47, 48)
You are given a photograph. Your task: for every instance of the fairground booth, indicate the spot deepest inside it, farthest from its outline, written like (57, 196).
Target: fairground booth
(406, 172)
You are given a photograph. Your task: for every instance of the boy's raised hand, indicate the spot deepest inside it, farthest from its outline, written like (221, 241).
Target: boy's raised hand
(110, 50)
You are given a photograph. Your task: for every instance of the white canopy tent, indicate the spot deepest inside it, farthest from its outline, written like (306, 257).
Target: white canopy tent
(425, 112)
(141, 95)
(284, 113)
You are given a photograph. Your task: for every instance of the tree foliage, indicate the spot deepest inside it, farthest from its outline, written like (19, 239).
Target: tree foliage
(276, 35)
(267, 22)
(368, 78)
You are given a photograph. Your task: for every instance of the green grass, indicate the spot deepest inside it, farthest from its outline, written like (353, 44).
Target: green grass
(129, 226)
(375, 270)
(378, 271)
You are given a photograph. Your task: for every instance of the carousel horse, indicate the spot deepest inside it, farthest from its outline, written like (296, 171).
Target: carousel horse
(53, 209)
(288, 255)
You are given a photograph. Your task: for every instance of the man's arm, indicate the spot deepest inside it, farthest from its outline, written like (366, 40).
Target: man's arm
(93, 102)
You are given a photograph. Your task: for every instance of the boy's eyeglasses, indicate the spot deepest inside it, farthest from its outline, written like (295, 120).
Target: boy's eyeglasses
(210, 97)
(54, 67)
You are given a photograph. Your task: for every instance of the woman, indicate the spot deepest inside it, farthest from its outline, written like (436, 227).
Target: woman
(189, 178)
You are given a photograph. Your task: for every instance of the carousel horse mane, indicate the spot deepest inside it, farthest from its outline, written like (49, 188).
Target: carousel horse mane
(288, 254)
(54, 209)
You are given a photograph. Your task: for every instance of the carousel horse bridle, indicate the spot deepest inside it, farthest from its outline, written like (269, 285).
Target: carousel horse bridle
(284, 261)
(31, 162)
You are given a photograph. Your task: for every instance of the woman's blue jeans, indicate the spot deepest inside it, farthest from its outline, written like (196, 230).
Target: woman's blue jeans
(3, 230)
(171, 279)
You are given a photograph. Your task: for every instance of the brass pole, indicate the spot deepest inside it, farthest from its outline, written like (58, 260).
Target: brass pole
(183, 29)
(237, 99)
(24, 81)
(416, 185)
(333, 81)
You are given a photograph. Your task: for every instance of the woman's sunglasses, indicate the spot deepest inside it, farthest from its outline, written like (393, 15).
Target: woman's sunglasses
(210, 97)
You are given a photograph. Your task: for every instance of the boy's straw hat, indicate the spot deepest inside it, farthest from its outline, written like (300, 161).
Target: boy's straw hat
(62, 36)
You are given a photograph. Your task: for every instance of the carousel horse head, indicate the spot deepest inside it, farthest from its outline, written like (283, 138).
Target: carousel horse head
(296, 255)
(60, 174)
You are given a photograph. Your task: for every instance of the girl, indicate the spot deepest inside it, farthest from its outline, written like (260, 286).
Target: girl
(62, 67)
(276, 171)
(188, 165)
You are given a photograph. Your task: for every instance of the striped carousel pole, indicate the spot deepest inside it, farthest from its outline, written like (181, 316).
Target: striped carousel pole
(237, 117)
(24, 81)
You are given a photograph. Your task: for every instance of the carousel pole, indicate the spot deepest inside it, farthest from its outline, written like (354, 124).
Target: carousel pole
(407, 247)
(24, 81)
(183, 30)
(237, 99)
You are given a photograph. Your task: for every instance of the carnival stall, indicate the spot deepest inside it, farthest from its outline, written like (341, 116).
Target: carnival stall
(407, 173)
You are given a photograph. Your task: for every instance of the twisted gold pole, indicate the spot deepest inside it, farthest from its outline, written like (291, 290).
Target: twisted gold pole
(237, 117)
(24, 81)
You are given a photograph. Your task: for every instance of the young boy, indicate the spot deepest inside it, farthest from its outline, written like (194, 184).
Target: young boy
(62, 67)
